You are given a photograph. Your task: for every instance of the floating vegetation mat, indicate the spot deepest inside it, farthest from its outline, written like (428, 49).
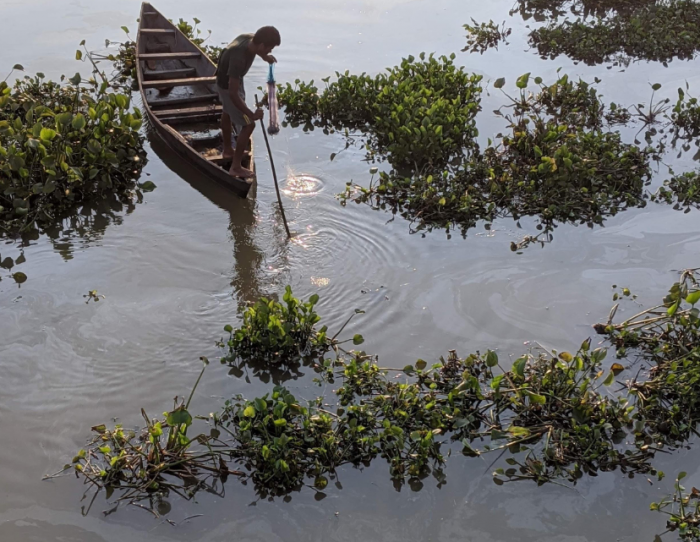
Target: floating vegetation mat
(419, 114)
(560, 158)
(558, 416)
(622, 32)
(62, 144)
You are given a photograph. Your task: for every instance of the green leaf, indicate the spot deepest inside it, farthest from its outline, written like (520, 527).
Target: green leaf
(693, 297)
(19, 277)
(519, 366)
(47, 134)
(538, 399)
(520, 432)
(78, 55)
(409, 370)
(523, 80)
(228, 328)
(491, 358)
(656, 86)
(313, 299)
(673, 308)
(179, 416)
(565, 356)
(249, 411)
(18, 67)
(94, 147)
(498, 83)
(76, 79)
(358, 339)
(79, 122)
(681, 475)
(125, 29)
(610, 379)
(122, 101)
(148, 186)
(421, 364)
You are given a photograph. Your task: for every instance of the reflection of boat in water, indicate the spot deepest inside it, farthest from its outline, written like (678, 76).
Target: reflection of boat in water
(248, 281)
(248, 258)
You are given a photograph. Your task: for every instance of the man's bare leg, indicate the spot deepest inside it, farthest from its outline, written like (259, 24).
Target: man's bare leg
(226, 135)
(237, 169)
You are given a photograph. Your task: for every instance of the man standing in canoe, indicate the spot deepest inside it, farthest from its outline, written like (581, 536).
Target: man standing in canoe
(234, 63)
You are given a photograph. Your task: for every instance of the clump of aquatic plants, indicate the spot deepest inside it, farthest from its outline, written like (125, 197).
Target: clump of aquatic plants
(278, 332)
(648, 30)
(62, 144)
(555, 413)
(123, 61)
(685, 116)
(682, 191)
(151, 463)
(667, 337)
(484, 36)
(683, 511)
(541, 10)
(418, 114)
(548, 165)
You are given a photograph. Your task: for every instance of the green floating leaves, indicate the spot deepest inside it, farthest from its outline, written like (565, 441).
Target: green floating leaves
(179, 416)
(522, 81)
(148, 186)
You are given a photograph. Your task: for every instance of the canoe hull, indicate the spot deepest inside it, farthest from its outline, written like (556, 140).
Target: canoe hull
(176, 82)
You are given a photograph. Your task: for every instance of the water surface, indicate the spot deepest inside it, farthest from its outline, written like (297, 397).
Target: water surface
(175, 268)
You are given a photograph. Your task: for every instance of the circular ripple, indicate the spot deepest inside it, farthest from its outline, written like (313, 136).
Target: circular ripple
(301, 185)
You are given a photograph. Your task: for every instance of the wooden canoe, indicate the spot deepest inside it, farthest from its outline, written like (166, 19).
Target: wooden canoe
(178, 89)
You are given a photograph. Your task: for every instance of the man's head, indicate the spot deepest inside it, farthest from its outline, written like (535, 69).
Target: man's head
(266, 39)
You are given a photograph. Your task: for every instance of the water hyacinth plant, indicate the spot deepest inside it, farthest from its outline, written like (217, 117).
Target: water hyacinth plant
(556, 162)
(61, 144)
(275, 331)
(484, 36)
(418, 114)
(281, 333)
(623, 32)
(558, 416)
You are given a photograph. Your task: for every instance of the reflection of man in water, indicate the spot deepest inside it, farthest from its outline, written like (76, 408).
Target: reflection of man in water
(234, 63)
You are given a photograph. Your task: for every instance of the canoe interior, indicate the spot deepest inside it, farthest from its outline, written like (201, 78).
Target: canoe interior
(179, 93)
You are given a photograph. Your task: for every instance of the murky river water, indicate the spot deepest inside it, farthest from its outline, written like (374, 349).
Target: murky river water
(174, 268)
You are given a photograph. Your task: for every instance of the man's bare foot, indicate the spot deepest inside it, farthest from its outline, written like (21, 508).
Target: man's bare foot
(241, 172)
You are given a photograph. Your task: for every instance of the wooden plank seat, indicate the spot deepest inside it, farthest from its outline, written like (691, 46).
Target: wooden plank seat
(169, 102)
(190, 111)
(186, 82)
(204, 141)
(183, 55)
(169, 74)
(190, 119)
(158, 31)
(217, 159)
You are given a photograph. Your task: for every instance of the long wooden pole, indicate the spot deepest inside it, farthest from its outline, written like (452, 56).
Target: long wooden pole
(274, 173)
